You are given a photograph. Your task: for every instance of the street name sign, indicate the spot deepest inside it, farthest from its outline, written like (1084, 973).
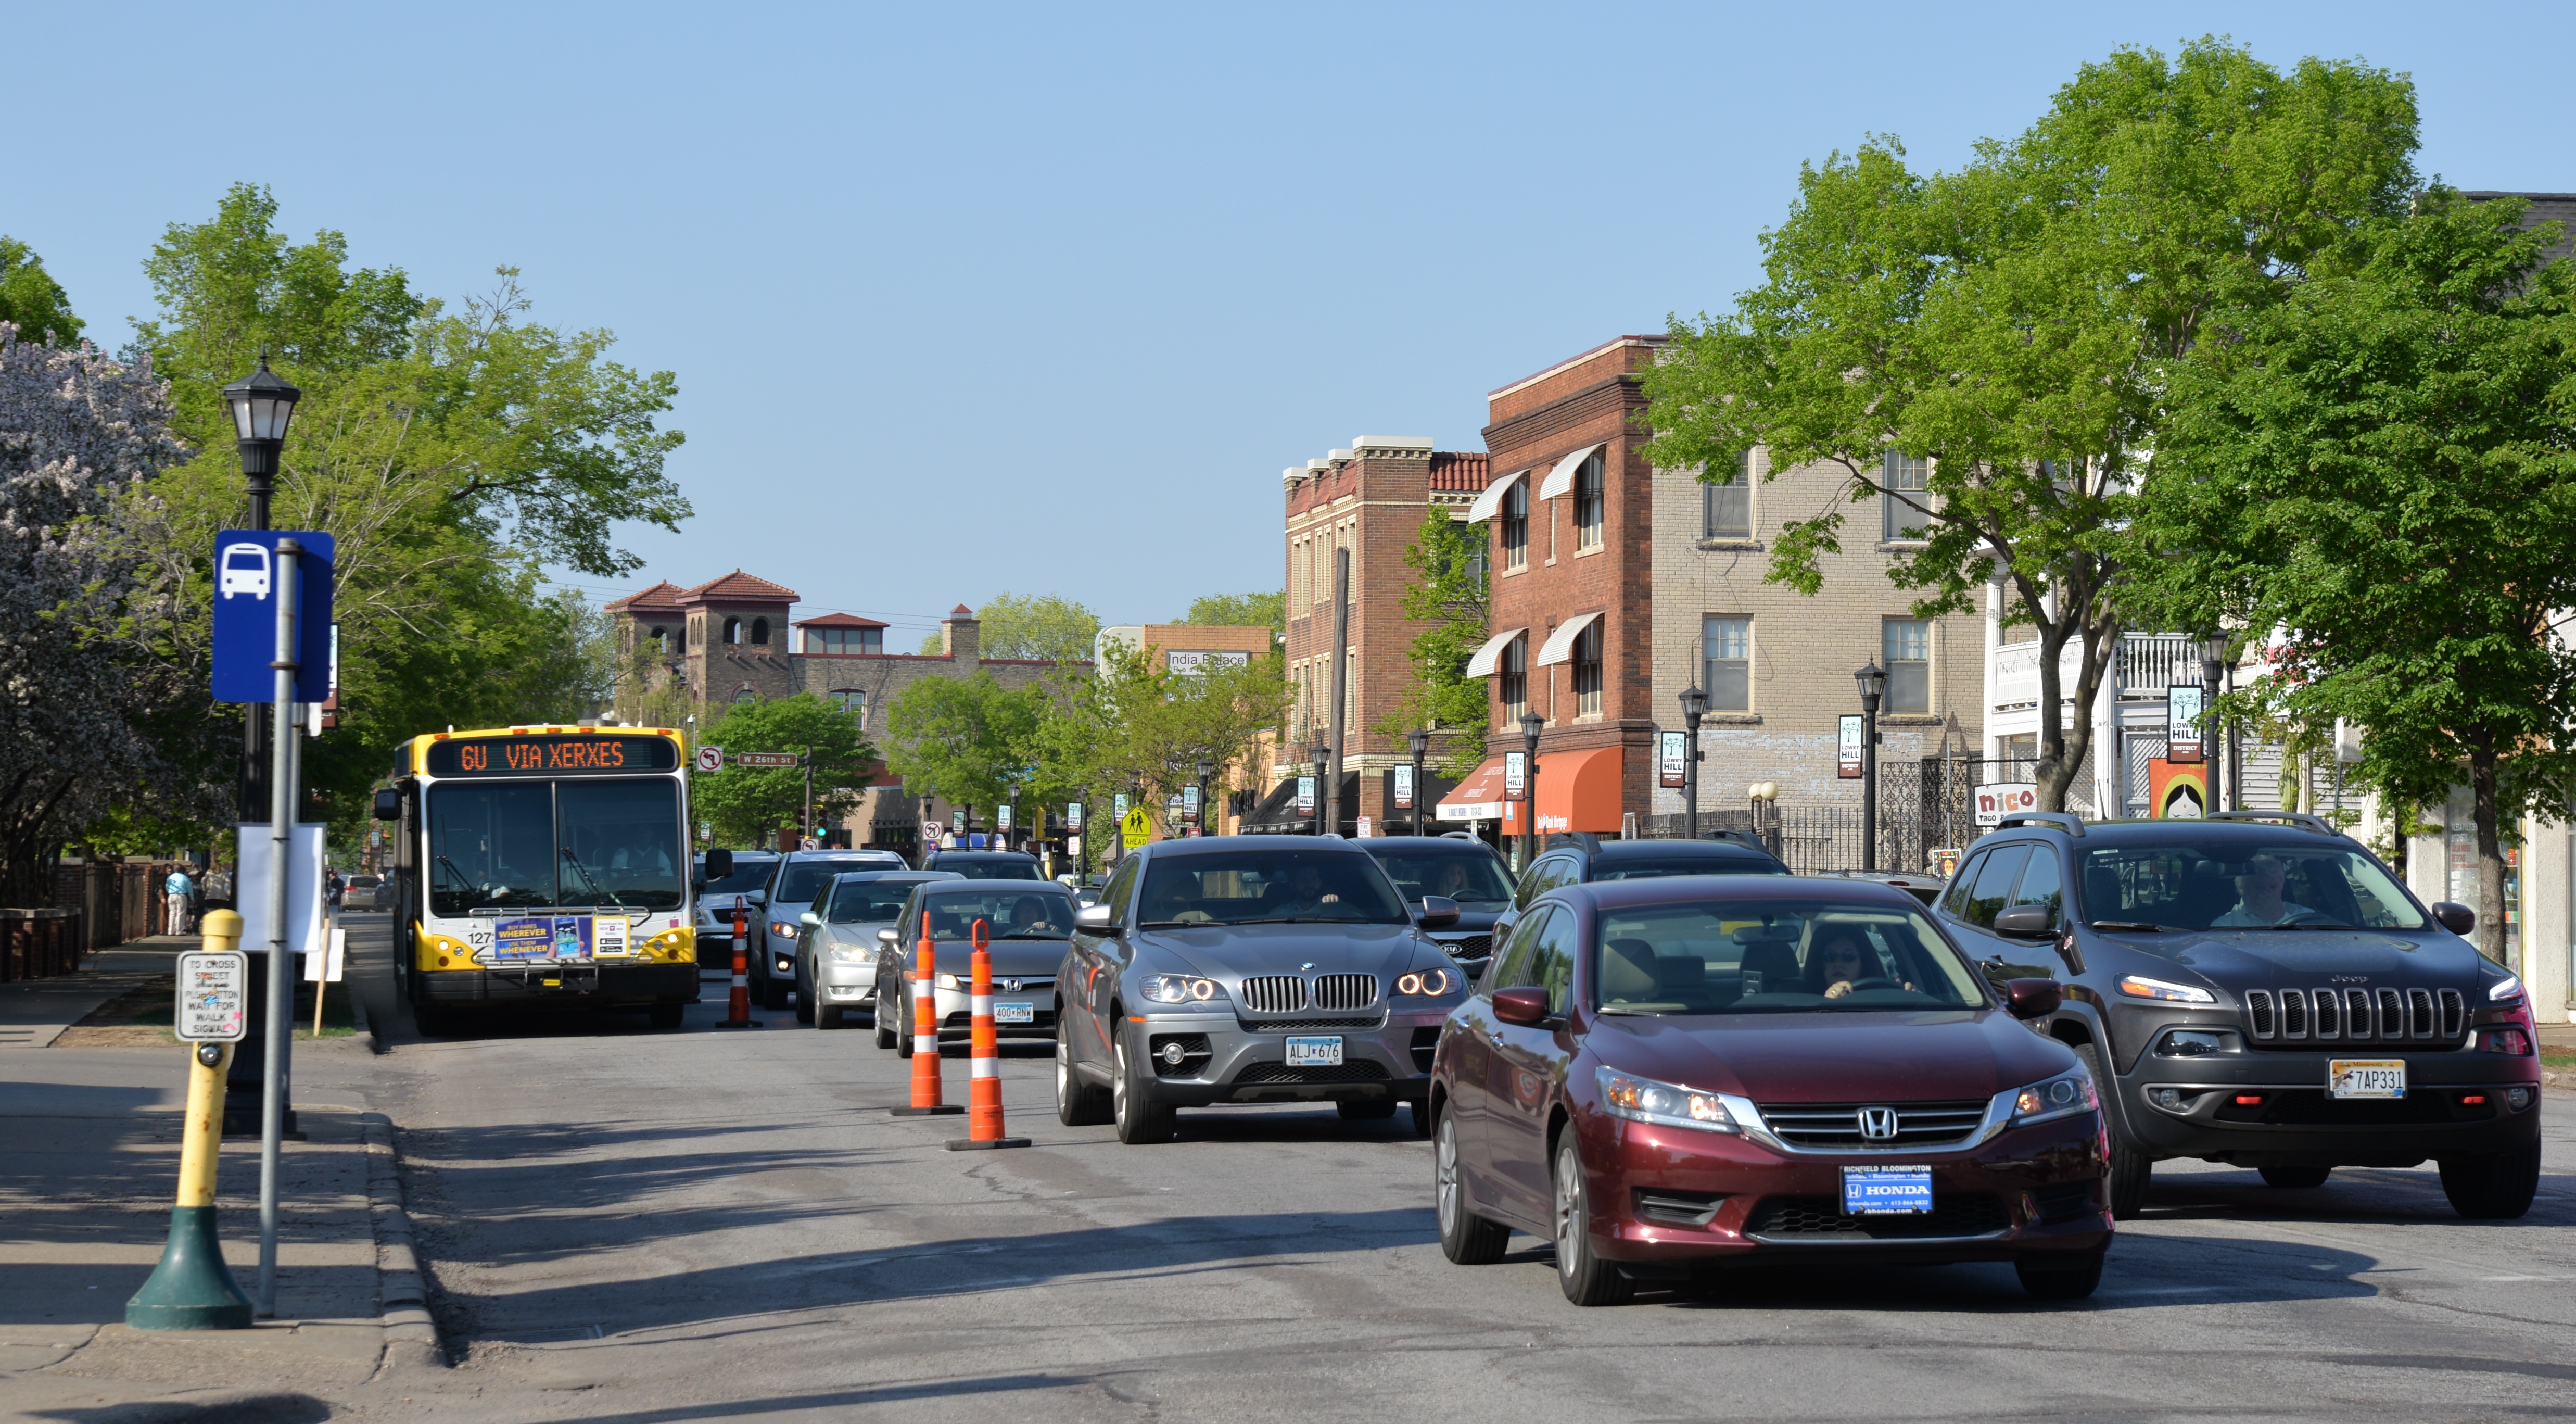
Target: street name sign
(245, 631)
(214, 994)
(765, 759)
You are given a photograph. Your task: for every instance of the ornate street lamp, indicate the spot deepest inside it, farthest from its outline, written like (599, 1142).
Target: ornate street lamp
(1531, 725)
(1873, 685)
(1323, 756)
(2213, 667)
(1418, 741)
(1207, 769)
(1694, 707)
(263, 406)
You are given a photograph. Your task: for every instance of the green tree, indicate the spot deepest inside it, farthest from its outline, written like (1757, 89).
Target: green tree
(2010, 329)
(1240, 610)
(2384, 467)
(31, 299)
(967, 738)
(1041, 627)
(1448, 595)
(1133, 727)
(750, 804)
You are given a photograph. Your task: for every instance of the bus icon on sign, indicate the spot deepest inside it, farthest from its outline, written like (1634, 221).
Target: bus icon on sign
(243, 569)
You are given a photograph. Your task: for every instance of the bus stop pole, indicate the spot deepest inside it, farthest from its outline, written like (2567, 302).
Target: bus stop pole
(281, 977)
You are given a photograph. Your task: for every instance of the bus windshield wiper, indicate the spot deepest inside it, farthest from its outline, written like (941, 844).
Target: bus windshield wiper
(605, 896)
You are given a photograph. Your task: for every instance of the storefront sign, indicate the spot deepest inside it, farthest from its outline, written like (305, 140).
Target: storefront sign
(1999, 799)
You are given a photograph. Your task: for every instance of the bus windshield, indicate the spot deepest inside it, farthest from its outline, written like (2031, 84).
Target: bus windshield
(543, 845)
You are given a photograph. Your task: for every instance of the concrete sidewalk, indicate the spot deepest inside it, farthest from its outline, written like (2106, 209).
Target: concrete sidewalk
(34, 1012)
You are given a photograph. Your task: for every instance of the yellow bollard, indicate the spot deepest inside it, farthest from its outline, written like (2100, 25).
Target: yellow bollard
(191, 1289)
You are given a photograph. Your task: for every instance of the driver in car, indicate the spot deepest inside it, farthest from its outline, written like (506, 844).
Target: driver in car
(2259, 900)
(1029, 918)
(1302, 894)
(1841, 960)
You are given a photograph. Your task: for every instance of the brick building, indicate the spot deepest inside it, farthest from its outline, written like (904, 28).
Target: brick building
(1369, 499)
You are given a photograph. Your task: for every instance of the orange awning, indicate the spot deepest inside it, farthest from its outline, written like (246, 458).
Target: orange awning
(1577, 791)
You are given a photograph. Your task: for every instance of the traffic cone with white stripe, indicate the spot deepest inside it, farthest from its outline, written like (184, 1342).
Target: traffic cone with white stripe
(925, 1034)
(738, 1009)
(984, 1088)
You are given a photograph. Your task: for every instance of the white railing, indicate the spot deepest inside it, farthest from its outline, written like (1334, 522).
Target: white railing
(2149, 663)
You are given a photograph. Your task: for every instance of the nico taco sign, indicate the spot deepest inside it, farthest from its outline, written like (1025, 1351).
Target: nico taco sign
(1999, 799)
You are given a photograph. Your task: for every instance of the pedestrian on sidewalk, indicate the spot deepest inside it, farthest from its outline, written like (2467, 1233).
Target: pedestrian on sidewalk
(179, 889)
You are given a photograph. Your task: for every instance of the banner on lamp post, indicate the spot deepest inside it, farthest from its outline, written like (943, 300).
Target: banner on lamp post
(1850, 741)
(1673, 760)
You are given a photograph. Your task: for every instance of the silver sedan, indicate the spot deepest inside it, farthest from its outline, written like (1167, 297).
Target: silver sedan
(837, 941)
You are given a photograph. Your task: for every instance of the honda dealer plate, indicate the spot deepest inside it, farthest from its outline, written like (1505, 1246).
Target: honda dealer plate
(1314, 1053)
(1015, 1013)
(1886, 1191)
(2366, 1078)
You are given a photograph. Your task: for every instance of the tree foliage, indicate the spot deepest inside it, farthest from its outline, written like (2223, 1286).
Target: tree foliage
(2015, 324)
(1042, 627)
(32, 300)
(1240, 610)
(967, 739)
(748, 805)
(1448, 595)
(1134, 727)
(2383, 466)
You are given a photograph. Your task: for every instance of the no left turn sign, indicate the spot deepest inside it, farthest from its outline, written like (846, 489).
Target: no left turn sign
(710, 758)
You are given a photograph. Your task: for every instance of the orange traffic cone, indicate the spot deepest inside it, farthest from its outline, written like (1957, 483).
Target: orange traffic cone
(984, 1087)
(925, 1036)
(738, 1009)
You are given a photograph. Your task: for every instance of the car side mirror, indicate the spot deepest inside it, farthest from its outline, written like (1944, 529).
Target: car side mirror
(1094, 918)
(2026, 922)
(388, 805)
(2032, 998)
(889, 935)
(2451, 915)
(1438, 912)
(719, 864)
(1524, 1006)
(809, 918)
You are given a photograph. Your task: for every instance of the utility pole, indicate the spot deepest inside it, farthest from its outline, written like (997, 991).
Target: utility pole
(810, 827)
(1332, 788)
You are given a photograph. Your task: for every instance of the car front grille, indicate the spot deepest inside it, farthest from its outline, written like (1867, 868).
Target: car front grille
(2297, 1018)
(1823, 1219)
(1274, 994)
(1340, 1073)
(1836, 1127)
(1476, 946)
(1314, 1025)
(1345, 991)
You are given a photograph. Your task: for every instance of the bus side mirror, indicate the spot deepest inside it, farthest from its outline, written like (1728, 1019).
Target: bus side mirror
(388, 805)
(719, 864)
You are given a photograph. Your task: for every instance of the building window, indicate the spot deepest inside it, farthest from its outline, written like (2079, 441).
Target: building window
(1297, 575)
(1516, 525)
(1588, 502)
(1726, 652)
(1909, 665)
(845, 640)
(1515, 693)
(1587, 670)
(689, 634)
(1726, 511)
(733, 630)
(1305, 705)
(760, 631)
(745, 694)
(852, 701)
(1904, 475)
(661, 639)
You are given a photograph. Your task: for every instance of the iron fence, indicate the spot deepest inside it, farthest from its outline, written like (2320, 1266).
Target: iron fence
(1924, 806)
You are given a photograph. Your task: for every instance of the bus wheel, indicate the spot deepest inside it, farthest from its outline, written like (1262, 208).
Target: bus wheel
(665, 1015)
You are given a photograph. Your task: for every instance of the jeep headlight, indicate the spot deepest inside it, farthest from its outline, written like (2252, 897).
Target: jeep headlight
(2138, 986)
(2062, 1096)
(1664, 1104)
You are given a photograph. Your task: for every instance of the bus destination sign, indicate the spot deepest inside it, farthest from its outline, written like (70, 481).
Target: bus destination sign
(552, 756)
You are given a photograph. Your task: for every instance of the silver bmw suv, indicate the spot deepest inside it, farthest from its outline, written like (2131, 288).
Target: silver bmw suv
(1250, 969)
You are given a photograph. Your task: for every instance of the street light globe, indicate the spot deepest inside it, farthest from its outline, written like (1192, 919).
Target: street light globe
(1531, 725)
(1694, 704)
(1419, 741)
(1873, 683)
(263, 404)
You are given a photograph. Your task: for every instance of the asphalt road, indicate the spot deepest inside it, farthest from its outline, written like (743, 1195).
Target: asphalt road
(658, 1226)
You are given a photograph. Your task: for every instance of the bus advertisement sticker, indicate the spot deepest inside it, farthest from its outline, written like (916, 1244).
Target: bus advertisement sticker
(572, 937)
(521, 941)
(608, 937)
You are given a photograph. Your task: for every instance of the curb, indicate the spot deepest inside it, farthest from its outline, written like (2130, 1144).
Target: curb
(402, 1292)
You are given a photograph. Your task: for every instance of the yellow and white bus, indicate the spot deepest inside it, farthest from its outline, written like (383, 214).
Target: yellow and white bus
(542, 866)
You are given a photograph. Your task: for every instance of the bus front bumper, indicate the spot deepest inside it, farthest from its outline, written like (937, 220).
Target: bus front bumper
(600, 985)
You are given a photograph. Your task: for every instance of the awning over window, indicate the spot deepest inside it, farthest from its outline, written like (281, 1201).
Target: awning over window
(1489, 503)
(1577, 791)
(1560, 644)
(1490, 656)
(1561, 479)
(1478, 798)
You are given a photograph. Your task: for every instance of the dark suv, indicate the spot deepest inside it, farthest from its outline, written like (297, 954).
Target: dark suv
(985, 864)
(1581, 858)
(2259, 990)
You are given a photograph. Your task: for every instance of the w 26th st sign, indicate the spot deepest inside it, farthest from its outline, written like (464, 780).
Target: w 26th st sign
(714, 759)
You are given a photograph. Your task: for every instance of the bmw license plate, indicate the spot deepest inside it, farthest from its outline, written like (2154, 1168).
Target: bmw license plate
(1886, 1191)
(2366, 1078)
(1015, 1013)
(1314, 1053)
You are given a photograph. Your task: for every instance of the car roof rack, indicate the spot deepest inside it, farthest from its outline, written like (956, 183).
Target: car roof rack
(2300, 819)
(2060, 820)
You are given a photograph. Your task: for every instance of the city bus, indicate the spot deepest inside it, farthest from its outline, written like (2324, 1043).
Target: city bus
(541, 867)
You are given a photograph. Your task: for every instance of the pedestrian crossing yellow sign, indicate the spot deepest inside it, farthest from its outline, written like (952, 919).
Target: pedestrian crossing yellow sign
(1137, 829)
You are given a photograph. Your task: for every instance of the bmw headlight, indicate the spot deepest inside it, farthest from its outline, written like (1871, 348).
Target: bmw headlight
(2138, 986)
(1430, 983)
(1181, 989)
(1665, 1104)
(2062, 1096)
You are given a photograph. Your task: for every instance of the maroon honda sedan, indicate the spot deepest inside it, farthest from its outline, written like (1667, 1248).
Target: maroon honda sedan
(1671, 1076)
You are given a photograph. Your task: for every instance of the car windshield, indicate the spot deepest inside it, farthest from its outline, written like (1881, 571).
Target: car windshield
(749, 873)
(1473, 878)
(1657, 867)
(1769, 956)
(1007, 914)
(1254, 887)
(2242, 884)
(979, 869)
(857, 900)
(803, 880)
(571, 844)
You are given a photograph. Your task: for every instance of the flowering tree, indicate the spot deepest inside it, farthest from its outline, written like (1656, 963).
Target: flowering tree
(79, 604)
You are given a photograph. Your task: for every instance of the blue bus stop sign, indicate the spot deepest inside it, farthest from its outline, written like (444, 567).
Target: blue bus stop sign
(246, 615)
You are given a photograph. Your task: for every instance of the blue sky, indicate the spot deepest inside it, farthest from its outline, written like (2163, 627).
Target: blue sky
(1043, 298)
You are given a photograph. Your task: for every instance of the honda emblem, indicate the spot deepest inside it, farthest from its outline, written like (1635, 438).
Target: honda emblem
(1877, 1124)
(1007, 986)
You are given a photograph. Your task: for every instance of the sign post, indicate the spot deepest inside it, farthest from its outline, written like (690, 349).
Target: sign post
(191, 1289)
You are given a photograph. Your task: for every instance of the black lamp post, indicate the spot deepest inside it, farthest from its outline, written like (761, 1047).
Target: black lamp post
(1207, 769)
(1323, 757)
(1694, 707)
(1418, 741)
(263, 406)
(2213, 665)
(1873, 685)
(1531, 725)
